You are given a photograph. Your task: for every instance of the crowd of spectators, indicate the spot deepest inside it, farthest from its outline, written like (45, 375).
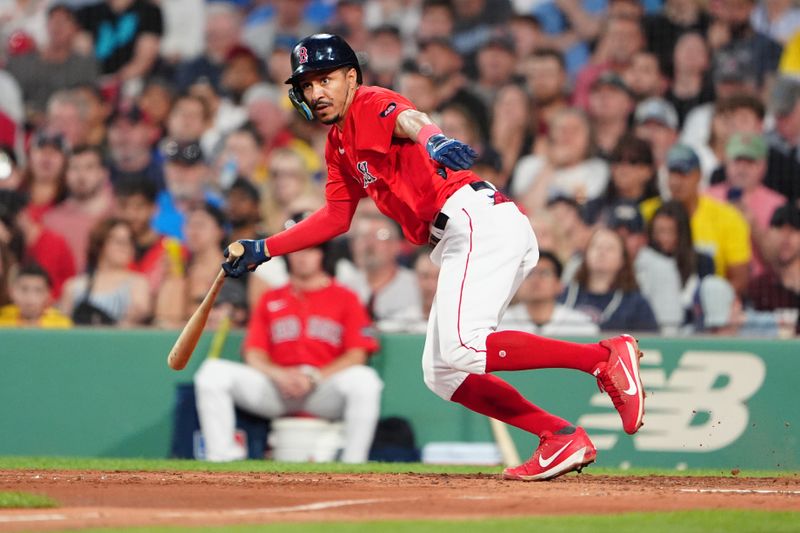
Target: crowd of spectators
(653, 145)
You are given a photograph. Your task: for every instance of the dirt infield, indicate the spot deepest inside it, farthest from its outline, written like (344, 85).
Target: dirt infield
(116, 499)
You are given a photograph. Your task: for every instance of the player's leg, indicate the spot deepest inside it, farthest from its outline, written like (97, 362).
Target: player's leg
(354, 396)
(220, 385)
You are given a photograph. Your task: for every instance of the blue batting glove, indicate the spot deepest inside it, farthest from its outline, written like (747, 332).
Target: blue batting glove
(255, 253)
(450, 152)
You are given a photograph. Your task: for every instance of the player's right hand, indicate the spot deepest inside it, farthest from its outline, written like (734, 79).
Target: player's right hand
(255, 253)
(449, 152)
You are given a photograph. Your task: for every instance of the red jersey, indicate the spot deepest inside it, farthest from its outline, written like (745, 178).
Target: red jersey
(365, 159)
(309, 328)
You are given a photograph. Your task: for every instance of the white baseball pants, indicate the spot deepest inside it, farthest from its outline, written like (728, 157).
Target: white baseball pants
(485, 253)
(352, 395)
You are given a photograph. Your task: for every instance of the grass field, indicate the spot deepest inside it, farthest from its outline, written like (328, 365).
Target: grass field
(690, 521)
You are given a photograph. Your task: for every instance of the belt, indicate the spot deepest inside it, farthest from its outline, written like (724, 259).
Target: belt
(440, 221)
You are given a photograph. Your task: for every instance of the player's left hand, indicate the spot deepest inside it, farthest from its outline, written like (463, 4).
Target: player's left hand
(255, 253)
(451, 153)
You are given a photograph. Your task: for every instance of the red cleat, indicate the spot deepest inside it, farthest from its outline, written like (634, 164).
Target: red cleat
(556, 455)
(619, 377)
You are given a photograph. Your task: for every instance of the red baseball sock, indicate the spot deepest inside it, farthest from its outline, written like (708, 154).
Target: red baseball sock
(516, 350)
(491, 396)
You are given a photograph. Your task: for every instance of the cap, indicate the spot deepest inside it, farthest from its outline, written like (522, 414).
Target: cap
(682, 159)
(498, 41)
(787, 214)
(784, 96)
(746, 146)
(183, 153)
(241, 51)
(626, 215)
(658, 110)
(733, 67)
(246, 187)
(716, 299)
(44, 138)
(611, 79)
(442, 41)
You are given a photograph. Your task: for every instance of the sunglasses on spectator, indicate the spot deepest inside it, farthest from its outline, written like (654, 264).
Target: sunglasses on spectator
(56, 140)
(186, 153)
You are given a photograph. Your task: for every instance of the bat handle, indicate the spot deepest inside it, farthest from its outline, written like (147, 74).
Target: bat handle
(235, 251)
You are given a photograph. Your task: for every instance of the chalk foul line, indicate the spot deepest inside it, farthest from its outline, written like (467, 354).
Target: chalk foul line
(740, 491)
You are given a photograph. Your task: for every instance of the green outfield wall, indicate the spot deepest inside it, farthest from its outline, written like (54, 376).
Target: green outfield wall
(725, 403)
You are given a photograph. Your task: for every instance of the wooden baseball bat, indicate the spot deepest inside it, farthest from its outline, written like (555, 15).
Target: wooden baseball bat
(508, 451)
(182, 349)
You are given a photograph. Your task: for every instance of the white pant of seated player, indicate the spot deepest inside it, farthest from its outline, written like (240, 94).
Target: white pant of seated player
(351, 395)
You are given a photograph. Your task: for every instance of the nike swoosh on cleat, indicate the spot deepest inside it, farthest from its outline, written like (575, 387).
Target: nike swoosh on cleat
(631, 390)
(544, 463)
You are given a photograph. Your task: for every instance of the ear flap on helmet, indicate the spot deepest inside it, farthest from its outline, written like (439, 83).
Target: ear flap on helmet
(300, 104)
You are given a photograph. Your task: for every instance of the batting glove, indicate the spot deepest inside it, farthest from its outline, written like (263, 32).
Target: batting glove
(255, 253)
(450, 152)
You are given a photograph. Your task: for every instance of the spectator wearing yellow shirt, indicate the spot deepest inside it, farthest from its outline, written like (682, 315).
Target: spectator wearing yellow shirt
(30, 294)
(718, 229)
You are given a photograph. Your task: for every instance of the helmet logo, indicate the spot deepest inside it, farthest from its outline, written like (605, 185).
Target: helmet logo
(302, 55)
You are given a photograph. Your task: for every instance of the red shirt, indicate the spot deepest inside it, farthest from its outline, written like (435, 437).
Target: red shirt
(365, 159)
(309, 328)
(52, 253)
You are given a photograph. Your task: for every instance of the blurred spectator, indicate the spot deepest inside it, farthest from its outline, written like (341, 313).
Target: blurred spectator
(691, 85)
(721, 309)
(125, 36)
(279, 65)
(306, 349)
(6, 264)
(29, 241)
(286, 25)
(131, 136)
(717, 228)
(459, 123)
(535, 308)
(385, 52)
(289, 181)
(526, 34)
(605, 287)
(475, 20)
(784, 104)
(621, 39)
(271, 119)
(189, 119)
(512, 134)
(242, 70)
(89, 200)
(745, 168)
(349, 22)
(243, 210)
(665, 29)
(109, 293)
(156, 100)
(633, 177)
(10, 175)
(730, 31)
(440, 58)
(567, 166)
(611, 103)
(386, 288)
(44, 179)
(669, 233)
(96, 115)
(155, 255)
(547, 81)
(496, 65)
(223, 31)
(573, 233)
(656, 274)
(419, 87)
(241, 156)
(206, 235)
(31, 302)
(645, 77)
(777, 19)
(224, 116)
(427, 273)
(656, 122)
(186, 177)
(23, 26)
(183, 37)
(436, 20)
(53, 67)
(68, 115)
(779, 288)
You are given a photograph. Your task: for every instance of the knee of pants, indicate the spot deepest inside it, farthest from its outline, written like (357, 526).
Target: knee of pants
(362, 381)
(443, 382)
(212, 374)
(464, 359)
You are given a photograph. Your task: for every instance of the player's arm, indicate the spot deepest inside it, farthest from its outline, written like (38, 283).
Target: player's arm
(416, 125)
(352, 357)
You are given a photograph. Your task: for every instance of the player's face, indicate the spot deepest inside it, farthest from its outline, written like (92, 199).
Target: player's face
(329, 94)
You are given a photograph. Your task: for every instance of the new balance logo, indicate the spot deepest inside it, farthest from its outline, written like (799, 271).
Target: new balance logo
(700, 407)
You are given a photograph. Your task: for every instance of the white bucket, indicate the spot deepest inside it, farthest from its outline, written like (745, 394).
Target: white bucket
(300, 440)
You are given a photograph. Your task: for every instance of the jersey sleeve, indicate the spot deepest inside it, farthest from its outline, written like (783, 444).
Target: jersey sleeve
(358, 329)
(152, 21)
(258, 328)
(377, 116)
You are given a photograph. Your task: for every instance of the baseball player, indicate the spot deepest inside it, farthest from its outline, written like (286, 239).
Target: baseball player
(305, 351)
(380, 146)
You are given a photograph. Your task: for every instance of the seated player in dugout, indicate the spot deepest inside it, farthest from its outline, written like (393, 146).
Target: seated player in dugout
(305, 351)
(382, 147)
